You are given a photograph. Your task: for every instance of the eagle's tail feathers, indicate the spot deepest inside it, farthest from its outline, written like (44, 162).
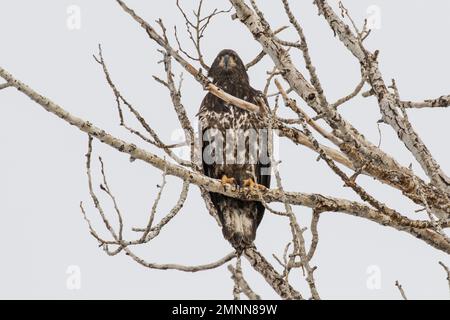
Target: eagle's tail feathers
(239, 228)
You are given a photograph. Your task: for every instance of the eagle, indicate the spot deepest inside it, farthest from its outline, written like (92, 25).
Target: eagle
(235, 148)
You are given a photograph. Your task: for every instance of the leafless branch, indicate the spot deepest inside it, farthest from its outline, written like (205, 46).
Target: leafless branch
(351, 95)
(273, 278)
(241, 285)
(196, 30)
(315, 234)
(447, 271)
(5, 85)
(441, 102)
(262, 54)
(400, 288)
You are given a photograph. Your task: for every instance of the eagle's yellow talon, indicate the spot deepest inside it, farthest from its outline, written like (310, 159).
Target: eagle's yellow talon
(253, 185)
(225, 180)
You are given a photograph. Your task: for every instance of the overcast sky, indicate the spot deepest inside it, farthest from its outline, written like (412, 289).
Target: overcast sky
(42, 173)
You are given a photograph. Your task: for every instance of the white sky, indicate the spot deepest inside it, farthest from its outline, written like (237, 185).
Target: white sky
(42, 165)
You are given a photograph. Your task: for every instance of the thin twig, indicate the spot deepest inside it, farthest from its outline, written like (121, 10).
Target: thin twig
(400, 288)
(262, 53)
(199, 26)
(446, 269)
(353, 94)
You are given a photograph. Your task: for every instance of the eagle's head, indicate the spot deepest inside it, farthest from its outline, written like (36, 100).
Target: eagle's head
(228, 67)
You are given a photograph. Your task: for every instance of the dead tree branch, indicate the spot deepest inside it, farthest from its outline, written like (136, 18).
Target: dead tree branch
(196, 30)
(400, 288)
(446, 269)
(273, 278)
(441, 102)
(241, 285)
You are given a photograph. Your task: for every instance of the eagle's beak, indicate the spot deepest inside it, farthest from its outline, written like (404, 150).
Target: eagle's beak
(226, 61)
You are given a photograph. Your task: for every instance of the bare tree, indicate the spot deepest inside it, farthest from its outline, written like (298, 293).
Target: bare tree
(346, 148)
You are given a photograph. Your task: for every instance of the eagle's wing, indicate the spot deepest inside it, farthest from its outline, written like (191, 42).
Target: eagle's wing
(262, 170)
(208, 120)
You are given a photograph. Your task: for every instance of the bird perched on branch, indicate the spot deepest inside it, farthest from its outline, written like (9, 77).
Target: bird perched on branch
(235, 148)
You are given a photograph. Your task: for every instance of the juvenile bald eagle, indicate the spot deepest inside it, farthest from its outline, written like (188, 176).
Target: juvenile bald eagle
(234, 148)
